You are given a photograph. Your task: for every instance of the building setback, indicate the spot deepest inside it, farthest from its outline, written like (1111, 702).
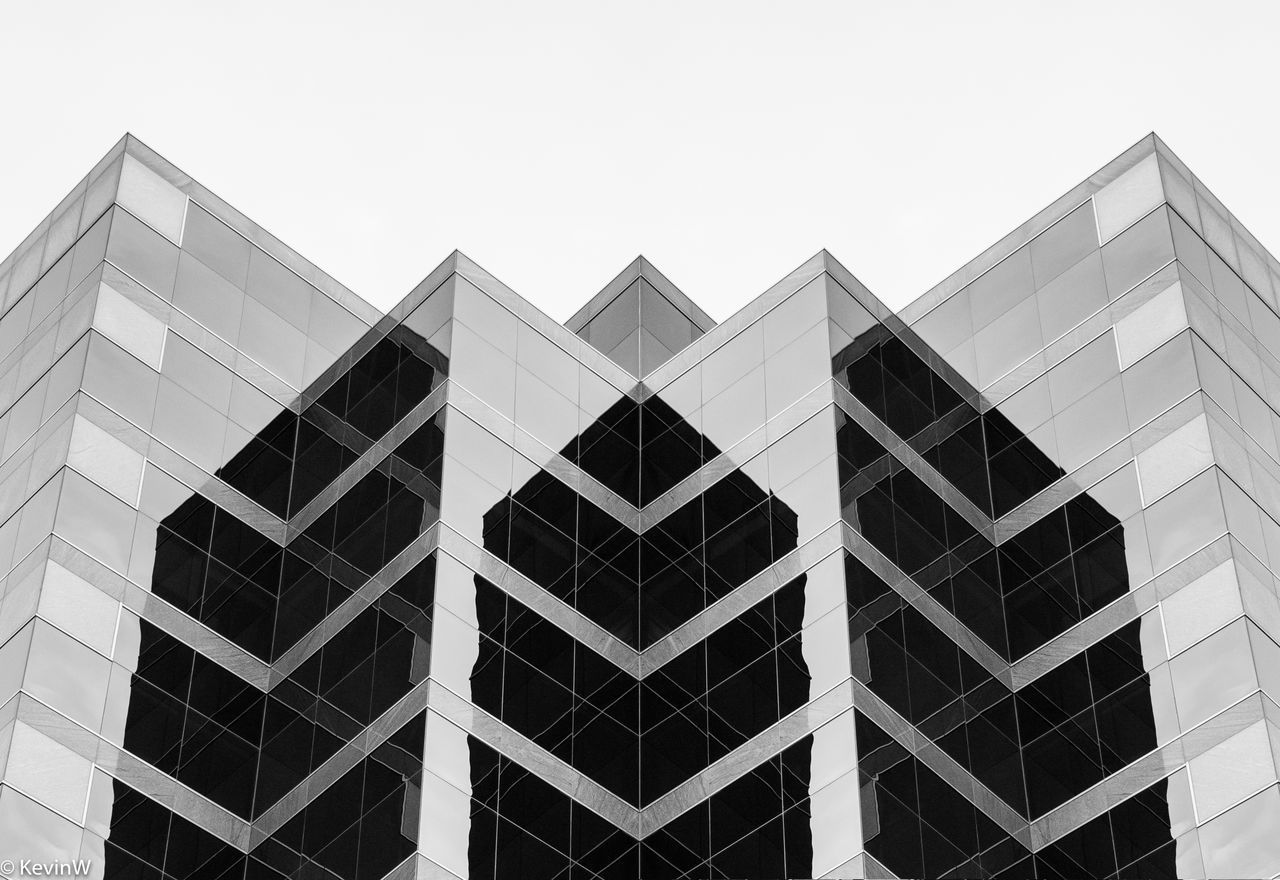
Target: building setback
(300, 590)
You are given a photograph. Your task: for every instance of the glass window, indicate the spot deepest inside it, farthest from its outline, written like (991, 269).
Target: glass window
(545, 414)
(1206, 604)
(185, 424)
(1190, 249)
(483, 453)
(546, 360)
(669, 326)
(1228, 288)
(216, 245)
(1092, 425)
(1137, 253)
(45, 835)
(1157, 320)
(1072, 296)
(90, 249)
(24, 418)
(1008, 341)
(143, 253)
(483, 370)
(1255, 416)
(198, 373)
(1064, 244)
(1160, 380)
(128, 325)
(1128, 197)
(51, 290)
(273, 342)
(1227, 773)
(1216, 378)
(481, 313)
(95, 521)
(1266, 324)
(14, 325)
(331, 325)
(796, 452)
(161, 494)
(104, 459)
(1213, 674)
(48, 771)
(846, 311)
(652, 353)
(1185, 520)
(149, 196)
(1243, 841)
(1001, 288)
(279, 289)
(736, 412)
(796, 314)
(67, 676)
(250, 408)
(37, 517)
(626, 353)
(732, 361)
(616, 322)
(1118, 493)
(948, 325)
(795, 370)
(208, 297)
(1084, 371)
(1169, 462)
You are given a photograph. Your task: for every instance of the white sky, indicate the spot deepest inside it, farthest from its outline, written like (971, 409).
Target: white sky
(554, 141)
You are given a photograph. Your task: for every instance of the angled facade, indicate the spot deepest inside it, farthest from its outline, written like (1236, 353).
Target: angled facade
(296, 589)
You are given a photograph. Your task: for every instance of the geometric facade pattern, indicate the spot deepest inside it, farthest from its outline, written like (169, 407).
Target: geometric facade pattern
(984, 588)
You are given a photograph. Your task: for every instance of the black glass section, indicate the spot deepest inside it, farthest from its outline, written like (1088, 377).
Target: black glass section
(265, 597)
(1037, 748)
(290, 461)
(360, 827)
(245, 749)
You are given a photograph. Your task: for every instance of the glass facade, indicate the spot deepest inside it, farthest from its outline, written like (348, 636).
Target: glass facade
(983, 588)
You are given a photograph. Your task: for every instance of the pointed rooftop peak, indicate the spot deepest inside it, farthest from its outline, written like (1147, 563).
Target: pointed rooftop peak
(640, 319)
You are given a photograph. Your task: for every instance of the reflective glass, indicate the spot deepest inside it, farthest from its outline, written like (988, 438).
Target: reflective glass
(143, 253)
(1156, 321)
(95, 521)
(1190, 249)
(796, 369)
(660, 317)
(273, 342)
(331, 325)
(1001, 288)
(737, 411)
(216, 245)
(1128, 197)
(1008, 341)
(1213, 674)
(1243, 842)
(208, 297)
(36, 832)
(67, 676)
(1185, 520)
(1160, 380)
(1230, 771)
(130, 326)
(1137, 252)
(1063, 244)
(1072, 296)
(731, 361)
(1091, 425)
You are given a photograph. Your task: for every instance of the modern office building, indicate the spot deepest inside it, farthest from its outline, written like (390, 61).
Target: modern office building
(984, 588)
